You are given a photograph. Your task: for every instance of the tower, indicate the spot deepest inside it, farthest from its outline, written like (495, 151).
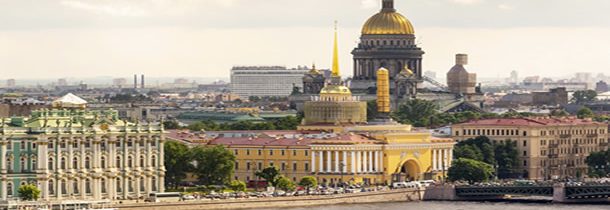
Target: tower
(135, 81)
(387, 40)
(383, 92)
(459, 80)
(142, 81)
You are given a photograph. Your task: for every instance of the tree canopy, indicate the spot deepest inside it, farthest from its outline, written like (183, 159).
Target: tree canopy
(599, 163)
(584, 96)
(308, 182)
(284, 183)
(215, 165)
(29, 192)
(503, 154)
(585, 113)
(270, 174)
(177, 159)
(469, 170)
(237, 186)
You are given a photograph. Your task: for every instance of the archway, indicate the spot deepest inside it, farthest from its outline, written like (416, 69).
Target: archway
(408, 171)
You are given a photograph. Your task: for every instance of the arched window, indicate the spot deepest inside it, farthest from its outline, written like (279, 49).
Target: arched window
(103, 162)
(153, 161)
(51, 187)
(9, 163)
(34, 163)
(75, 186)
(154, 183)
(51, 164)
(64, 187)
(129, 185)
(75, 163)
(22, 164)
(142, 184)
(88, 186)
(63, 163)
(118, 185)
(87, 163)
(9, 189)
(103, 185)
(142, 161)
(118, 162)
(129, 162)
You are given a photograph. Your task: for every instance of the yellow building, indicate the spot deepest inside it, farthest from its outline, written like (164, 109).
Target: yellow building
(549, 148)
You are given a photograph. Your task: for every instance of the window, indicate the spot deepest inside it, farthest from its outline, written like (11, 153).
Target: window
(236, 165)
(118, 185)
(50, 145)
(103, 185)
(153, 161)
(260, 166)
(50, 164)
(306, 166)
(260, 152)
(129, 162)
(75, 144)
(524, 143)
(75, 186)
(283, 166)
(248, 166)
(118, 161)
(524, 153)
(294, 152)
(33, 145)
(51, 188)
(283, 152)
(248, 152)
(9, 189)
(142, 161)
(22, 164)
(103, 162)
(63, 163)
(306, 153)
(524, 162)
(236, 152)
(34, 166)
(129, 143)
(294, 166)
(87, 163)
(270, 152)
(88, 186)
(23, 145)
(75, 163)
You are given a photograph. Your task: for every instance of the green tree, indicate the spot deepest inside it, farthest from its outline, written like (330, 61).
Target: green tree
(172, 124)
(29, 192)
(559, 113)
(287, 123)
(584, 96)
(308, 182)
(284, 183)
(371, 110)
(416, 112)
(599, 163)
(215, 165)
(506, 156)
(177, 163)
(237, 186)
(585, 113)
(270, 174)
(479, 148)
(469, 170)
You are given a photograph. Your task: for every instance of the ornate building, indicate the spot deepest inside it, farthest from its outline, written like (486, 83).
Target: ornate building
(313, 81)
(388, 41)
(459, 80)
(71, 153)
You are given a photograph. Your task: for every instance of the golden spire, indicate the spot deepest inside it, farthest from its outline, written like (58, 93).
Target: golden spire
(335, 69)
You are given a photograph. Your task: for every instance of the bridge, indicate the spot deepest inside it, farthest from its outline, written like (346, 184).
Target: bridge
(561, 192)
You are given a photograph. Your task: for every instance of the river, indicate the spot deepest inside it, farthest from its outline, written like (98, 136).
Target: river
(434, 205)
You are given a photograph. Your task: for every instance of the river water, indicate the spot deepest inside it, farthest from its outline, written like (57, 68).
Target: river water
(433, 205)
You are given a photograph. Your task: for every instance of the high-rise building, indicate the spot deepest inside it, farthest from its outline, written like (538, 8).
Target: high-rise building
(264, 81)
(10, 83)
(387, 40)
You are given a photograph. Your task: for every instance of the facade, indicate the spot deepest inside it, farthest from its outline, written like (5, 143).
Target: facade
(601, 87)
(549, 148)
(313, 81)
(387, 40)
(265, 80)
(554, 97)
(74, 154)
(459, 81)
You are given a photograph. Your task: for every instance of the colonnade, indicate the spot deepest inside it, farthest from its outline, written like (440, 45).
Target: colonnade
(347, 161)
(441, 159)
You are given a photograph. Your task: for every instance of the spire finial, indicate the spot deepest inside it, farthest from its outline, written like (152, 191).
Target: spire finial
(335, 69)
(388, 5)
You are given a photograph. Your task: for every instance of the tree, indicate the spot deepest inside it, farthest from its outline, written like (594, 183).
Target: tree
(371, 110)
(215, 165)
(479, 148)
(469, 170)
(416, 112)
(29, 192)
(270, 174)
(599, 163)
(287, 123)
(308, 182)
(237, 186)
(284, 183)
(506, 156)
(172, 124)
(177, 162)
(585, 113)
(584, 96)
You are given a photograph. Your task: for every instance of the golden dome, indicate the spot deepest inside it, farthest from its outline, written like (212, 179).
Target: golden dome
(388, 21)
(335, 89)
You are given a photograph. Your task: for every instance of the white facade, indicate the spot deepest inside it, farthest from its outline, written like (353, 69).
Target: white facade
(266, 80)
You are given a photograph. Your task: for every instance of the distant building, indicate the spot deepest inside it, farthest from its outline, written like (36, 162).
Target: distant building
(548, 148)
(554, 97)
(547, 85)
(601, 87)
(119, 82)
(62, 82)
(514, 78)
(263, 81)
(458, 79)
(313, 81)
(10, 83)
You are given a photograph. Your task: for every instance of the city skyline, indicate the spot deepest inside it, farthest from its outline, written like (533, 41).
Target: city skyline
(70, 38)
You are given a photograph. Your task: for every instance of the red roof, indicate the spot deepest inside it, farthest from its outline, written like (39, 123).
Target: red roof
(532, 122)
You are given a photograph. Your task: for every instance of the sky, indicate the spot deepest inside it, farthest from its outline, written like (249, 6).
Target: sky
(205, 38)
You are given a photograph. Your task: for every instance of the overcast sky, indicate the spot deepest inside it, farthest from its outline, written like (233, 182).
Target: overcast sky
(205, 38)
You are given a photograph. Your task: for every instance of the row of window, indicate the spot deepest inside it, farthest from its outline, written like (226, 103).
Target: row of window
(491, 132)
(88, 186)
(271, 152)
(283, 166)
(87, 163)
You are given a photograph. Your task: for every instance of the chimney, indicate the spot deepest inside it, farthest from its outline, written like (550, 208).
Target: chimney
(461, 59)
(135, 81)
(142, 81)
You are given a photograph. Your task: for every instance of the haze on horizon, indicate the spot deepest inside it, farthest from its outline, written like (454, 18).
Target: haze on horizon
(205, 38)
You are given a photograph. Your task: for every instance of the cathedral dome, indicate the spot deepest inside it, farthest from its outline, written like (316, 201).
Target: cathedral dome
(335, 89)
(388, 22)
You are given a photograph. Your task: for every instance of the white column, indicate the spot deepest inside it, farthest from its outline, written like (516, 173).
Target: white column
(377, 161)
(3, 161)
(370, 163)
(337, 170)
(365, 161)
(45, 189)
(344, 167)
(353, 163)
(313, 162)
(4, 183)
(321, 165)
(380, 161)
(444, 159)
(358, 159)
(433, 159)
(450, 157)
(328, 159)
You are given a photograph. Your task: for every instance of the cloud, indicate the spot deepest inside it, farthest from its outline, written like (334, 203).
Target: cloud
(467, 2)
(505, 7)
